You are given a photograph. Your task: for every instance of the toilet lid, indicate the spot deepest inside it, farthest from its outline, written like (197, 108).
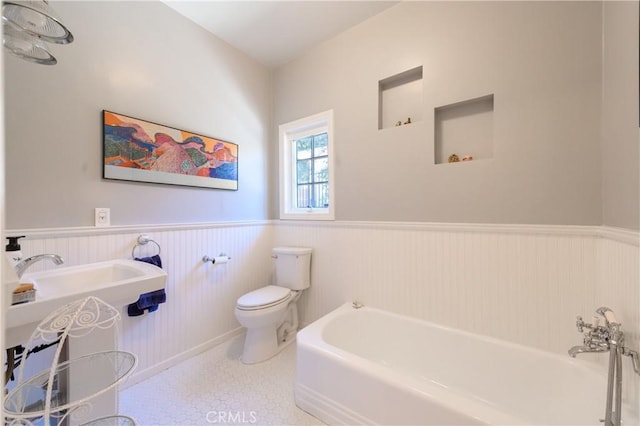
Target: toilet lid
(263, 297)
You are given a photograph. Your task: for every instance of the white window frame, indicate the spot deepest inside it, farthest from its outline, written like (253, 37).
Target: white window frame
(289, 132)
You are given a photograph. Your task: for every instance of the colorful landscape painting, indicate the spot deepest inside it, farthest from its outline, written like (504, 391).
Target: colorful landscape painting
(143, 151)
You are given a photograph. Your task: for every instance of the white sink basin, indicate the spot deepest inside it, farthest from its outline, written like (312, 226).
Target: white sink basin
(117, 282)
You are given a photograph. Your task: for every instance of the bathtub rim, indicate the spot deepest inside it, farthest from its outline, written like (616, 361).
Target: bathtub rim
(347, 307)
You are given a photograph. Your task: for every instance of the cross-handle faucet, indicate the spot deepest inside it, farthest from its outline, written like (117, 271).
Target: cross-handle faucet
(24, 264)
(599, 338)
(609, 338)
(596, 338)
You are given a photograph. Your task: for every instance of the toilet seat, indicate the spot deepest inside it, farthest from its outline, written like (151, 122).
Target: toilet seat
(263, 298)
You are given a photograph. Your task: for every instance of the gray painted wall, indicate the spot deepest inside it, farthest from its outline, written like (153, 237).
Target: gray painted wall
(620, 121)
(144, 60)
(542, 62)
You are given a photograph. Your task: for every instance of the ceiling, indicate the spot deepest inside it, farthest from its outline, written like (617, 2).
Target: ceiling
(274, 32)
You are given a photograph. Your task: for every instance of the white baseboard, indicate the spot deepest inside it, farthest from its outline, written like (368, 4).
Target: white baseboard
(147, 373)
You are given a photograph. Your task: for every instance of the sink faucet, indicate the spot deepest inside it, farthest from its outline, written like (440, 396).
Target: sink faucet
(24, 264)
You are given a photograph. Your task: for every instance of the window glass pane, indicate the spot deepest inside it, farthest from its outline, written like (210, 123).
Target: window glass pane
(321, 195)
(320, 145)
(306, 156)
(304, 196)
(303, 147)
(321, 169)
(303, 171)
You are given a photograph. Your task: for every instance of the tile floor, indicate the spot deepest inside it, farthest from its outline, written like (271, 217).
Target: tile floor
(214, 387)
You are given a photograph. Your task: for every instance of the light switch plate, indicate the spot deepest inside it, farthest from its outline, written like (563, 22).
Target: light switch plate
(103, 216)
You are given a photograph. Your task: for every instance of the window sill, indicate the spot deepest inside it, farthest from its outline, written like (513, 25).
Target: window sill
(308, 215)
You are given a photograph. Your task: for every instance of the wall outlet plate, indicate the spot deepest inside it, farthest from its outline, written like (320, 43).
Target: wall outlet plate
(102, 216)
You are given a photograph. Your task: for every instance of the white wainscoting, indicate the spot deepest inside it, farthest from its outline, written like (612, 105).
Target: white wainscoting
(200, 297)
(489, 282)
(520, 283)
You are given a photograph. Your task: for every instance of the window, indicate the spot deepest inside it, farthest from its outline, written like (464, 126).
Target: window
(306, 168)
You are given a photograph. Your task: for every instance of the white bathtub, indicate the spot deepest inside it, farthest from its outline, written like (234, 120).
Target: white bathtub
(367, 366)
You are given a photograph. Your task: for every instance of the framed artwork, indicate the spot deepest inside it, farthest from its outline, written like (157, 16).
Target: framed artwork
(142, 151)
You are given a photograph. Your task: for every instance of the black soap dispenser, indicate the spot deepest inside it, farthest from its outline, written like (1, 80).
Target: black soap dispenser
(13, 251)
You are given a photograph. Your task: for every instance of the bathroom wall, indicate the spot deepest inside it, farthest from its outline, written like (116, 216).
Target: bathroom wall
(520, 283)
(540, 60)
(620, 117)
(2, 194)
(618, 269)
(144, 60)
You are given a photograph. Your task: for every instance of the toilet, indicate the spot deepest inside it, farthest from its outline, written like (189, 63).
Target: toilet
(270, 313)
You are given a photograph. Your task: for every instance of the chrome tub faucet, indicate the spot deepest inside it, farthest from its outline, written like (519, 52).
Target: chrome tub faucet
(596, 338)
(24, 264)
(584, 349)
(607, 338)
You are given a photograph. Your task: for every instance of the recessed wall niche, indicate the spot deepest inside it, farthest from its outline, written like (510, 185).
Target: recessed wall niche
(465, 129)
(400, 99)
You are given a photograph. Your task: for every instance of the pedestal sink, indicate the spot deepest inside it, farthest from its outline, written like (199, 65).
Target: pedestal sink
(117, 282)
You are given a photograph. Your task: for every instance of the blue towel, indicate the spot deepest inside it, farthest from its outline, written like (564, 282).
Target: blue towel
(148, 301)
(154, 260)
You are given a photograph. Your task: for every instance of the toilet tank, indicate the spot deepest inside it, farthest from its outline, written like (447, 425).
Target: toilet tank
(293, 267)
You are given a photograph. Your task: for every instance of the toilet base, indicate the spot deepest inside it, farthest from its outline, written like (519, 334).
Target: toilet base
(262, 344)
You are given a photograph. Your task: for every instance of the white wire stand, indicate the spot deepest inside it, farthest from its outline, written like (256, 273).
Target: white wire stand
(112, 421)
(76, 319)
